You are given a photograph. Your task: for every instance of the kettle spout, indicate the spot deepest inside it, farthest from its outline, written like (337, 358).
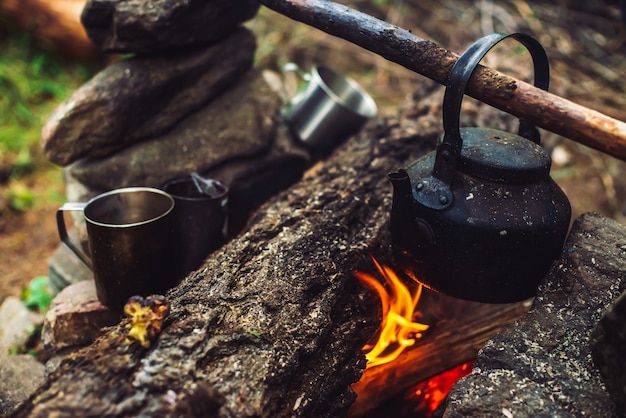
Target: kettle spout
(401, 210)
(401, 185)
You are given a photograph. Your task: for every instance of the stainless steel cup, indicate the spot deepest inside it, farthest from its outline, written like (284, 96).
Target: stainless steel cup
(201, 219)
(329, 110)
(130, 233)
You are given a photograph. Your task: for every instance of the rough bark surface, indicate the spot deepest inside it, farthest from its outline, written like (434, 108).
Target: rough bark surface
(608, 345)
(273, 324)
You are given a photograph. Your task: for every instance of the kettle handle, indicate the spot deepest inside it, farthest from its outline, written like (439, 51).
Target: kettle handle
(449, 149)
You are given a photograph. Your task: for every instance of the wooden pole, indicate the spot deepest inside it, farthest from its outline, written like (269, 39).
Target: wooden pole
(551, 112)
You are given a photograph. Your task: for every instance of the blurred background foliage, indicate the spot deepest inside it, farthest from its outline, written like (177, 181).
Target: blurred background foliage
(33, 81)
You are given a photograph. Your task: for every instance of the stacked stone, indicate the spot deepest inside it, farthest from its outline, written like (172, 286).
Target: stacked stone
(188, 100)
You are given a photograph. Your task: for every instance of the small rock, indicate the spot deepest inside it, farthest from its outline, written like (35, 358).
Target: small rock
(154, 26)
(21, 375)
(143, 97)
(17, 324)
(76, 317)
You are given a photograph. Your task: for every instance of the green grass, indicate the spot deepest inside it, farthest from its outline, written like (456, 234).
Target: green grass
(33, 82)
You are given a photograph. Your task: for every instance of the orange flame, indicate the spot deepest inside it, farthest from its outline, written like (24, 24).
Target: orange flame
(397, 330)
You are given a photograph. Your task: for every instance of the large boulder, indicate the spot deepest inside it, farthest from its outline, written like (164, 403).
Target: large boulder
(154, 26)
(143, 97)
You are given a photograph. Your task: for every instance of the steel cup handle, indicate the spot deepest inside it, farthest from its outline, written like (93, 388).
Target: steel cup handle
(63, 235)
(300, 91)
(293, 67)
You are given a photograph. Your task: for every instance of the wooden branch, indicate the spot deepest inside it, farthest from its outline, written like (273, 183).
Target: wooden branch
(448, 344)
(521, 99)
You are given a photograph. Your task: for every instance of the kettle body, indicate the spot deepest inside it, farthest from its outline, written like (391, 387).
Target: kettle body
(480, 218)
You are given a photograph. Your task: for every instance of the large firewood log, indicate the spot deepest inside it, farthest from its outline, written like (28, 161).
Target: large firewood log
(273, 323)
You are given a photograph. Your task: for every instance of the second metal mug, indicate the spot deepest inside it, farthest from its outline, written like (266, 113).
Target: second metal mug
(200, 218)
(329, 110)
(130, 232)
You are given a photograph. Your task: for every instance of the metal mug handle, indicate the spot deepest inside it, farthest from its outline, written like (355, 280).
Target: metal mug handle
(63, 235)
(449, 149)
(293, 67)
(299, 94)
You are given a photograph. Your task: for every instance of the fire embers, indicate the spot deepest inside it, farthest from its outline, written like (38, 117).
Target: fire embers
(425, 398)
(146, 318)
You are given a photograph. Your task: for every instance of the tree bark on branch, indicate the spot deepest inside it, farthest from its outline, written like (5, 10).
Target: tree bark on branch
(551, 112)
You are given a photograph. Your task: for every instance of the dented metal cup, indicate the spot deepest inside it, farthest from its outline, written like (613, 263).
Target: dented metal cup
(200, 216)
(330, 109)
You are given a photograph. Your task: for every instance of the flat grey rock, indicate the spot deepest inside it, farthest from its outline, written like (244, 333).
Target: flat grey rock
(21, 375)
(154, 26)
(143, 97)
(240, 123)
(17, 323)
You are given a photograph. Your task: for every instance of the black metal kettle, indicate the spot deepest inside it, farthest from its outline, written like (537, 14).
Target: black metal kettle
(480, 218)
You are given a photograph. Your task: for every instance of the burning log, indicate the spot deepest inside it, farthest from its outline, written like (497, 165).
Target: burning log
(454, 341)
(546, 110)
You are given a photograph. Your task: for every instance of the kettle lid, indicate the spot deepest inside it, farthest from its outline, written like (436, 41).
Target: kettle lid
(501, 156)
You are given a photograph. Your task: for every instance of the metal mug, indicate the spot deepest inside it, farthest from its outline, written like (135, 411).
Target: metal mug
(130, 232)
(329, 110)
(201, 218)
